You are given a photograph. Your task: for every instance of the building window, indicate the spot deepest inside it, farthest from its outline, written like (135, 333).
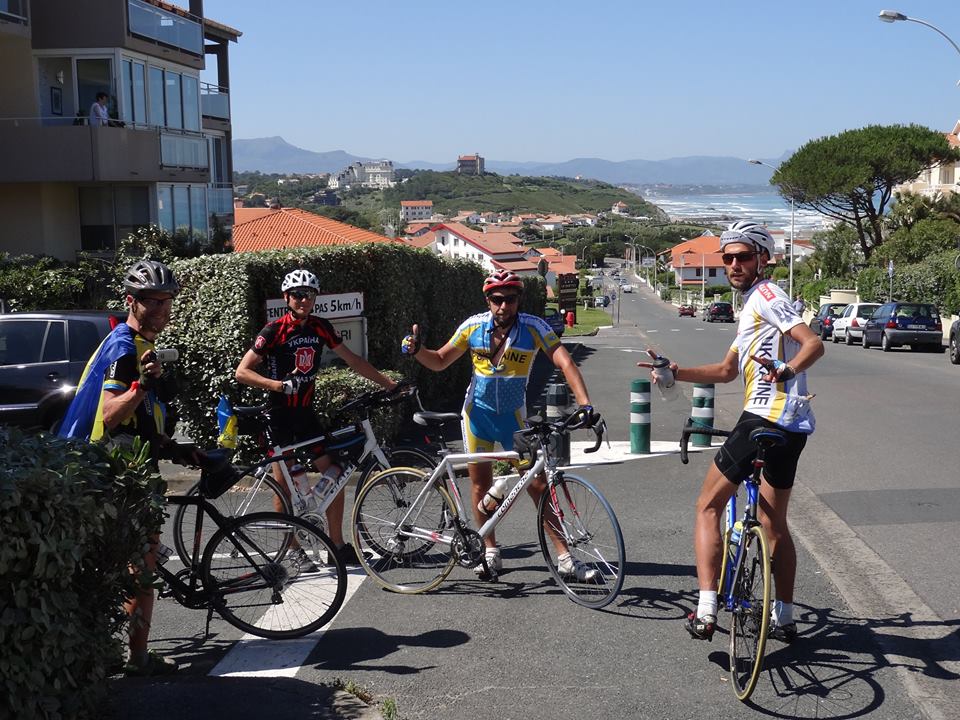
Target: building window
(183, 209)
(948, 174)
(174, 105)
(109, 213)
(157, 116)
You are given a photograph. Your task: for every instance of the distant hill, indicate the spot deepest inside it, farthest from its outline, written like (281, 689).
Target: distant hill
(272, 155)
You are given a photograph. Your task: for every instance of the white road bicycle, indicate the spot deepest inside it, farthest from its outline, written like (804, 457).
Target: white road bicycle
(356, 450)
(410, 527)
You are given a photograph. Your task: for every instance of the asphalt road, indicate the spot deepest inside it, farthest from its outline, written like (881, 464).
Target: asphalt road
(874, 511)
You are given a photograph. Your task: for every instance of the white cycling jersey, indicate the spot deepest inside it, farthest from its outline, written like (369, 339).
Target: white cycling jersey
(766, 316)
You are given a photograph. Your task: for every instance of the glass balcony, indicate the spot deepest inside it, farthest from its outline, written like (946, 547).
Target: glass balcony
(183, 150)
(214, 101)
(169, 28)
(14, 10)
(220, 199)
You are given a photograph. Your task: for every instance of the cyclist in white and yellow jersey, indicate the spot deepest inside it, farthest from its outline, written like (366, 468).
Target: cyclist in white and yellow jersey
(770, 334)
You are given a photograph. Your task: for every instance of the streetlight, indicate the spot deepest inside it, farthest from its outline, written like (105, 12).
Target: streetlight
(792, 224)
(891, 16)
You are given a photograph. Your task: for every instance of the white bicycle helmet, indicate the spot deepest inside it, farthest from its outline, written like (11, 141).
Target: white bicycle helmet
(750, 233)
(300, 278)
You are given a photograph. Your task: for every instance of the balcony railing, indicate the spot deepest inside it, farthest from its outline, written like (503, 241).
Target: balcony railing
(14, 10)
(155, 23)
(220, 199)
(214, 101)
(183, 149)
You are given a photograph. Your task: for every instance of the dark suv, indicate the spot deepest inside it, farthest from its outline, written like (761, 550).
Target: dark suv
(822, 322)
(42, 356)
(719, 312)
(905, 323)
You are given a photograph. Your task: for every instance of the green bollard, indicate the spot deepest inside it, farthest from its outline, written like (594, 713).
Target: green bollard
(702, 413)
(640, 416)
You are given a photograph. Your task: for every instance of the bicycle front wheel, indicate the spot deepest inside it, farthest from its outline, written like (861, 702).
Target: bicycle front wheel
(256, 491)
(573, 516)
(406, 556)
(751, 613)
(274, 576)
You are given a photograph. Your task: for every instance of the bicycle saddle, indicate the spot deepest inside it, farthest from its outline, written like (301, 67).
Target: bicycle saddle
(252, 410)
(429, 418)
(767, 437)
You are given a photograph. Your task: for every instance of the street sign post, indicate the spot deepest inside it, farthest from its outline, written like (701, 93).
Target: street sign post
(568, 284)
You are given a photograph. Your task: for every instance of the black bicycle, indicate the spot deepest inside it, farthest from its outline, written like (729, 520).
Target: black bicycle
(269, 574)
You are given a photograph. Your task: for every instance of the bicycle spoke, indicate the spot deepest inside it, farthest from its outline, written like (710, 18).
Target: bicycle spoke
(751, 613)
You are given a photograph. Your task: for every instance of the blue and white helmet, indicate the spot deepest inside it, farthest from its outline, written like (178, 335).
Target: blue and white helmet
(300, 278)
(750, 233)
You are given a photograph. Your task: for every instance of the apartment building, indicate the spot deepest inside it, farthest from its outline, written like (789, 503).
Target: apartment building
(939, 180)
(377, 174)
(164, 158)
(416, 210)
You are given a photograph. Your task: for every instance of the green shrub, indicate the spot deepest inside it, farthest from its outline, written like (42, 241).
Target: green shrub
(73, 517)
(934, 280)
(666, 294)
(41, 282)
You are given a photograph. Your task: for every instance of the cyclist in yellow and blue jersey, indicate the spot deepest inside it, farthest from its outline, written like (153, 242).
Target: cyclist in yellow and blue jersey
(772, 350)
(503, 344)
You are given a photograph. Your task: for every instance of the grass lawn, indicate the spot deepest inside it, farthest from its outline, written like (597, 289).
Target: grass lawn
(588, 320)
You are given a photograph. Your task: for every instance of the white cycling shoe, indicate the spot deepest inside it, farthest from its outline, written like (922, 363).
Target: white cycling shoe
(494, 565)
(572, 569)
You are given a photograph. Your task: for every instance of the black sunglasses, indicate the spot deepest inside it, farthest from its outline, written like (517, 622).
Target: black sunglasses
(740, 257)
(154, 303)
(503, 299)
(302, 294)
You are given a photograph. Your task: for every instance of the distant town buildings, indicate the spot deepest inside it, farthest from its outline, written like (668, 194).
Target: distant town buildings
(470, 164)
(940, 179)
(376, 175)
(411, 210)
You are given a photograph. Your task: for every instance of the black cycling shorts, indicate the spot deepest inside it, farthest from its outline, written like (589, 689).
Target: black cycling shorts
(289, 425)
(735, 457)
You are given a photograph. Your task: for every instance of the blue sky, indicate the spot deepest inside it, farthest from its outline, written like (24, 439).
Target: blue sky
(549, 81)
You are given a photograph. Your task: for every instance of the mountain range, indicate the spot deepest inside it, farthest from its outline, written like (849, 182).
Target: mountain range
(276, 155)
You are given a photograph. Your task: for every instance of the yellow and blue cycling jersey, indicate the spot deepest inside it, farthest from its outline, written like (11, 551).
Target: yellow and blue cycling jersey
(502, 388)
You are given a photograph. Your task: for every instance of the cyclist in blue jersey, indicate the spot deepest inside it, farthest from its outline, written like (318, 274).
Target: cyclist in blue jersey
(503, 344)
(772, 350)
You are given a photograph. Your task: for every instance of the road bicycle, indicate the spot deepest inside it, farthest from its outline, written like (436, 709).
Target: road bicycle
(411, 528)
(354, 444)
(271, 575)
(745, 583)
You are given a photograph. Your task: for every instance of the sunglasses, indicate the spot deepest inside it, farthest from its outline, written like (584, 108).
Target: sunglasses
(740, 257)
(302, 294)
(503, 299)
(154, 303)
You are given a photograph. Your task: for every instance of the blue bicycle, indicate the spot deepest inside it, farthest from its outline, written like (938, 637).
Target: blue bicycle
(745, 574)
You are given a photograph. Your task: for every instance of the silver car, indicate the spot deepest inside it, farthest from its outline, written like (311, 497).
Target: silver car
(849, 326)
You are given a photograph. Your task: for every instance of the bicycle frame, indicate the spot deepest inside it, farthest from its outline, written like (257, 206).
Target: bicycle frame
(749, 519)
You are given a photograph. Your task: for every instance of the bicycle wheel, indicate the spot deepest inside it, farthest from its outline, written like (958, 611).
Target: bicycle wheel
(578, 515)
(725, 562)
(256, 491)
(408, 559)
(275, 576)
(751, 613)
(399, 457)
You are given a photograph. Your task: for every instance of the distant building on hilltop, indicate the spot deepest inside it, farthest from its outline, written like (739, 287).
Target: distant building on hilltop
(470, 164)
(416, 210)
(377, 175)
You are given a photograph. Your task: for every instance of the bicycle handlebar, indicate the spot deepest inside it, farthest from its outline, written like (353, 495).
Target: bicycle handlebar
(379, 398)
(691, 427)
(575, 421)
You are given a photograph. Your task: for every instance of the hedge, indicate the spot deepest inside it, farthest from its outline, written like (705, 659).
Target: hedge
(934, 280)
(73, 517)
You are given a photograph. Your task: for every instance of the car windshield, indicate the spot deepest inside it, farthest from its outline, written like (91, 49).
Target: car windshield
(866, 311)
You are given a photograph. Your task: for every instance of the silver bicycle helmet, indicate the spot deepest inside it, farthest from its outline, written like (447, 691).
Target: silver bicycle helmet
(150, 275)
(751, 233)
(300, 278)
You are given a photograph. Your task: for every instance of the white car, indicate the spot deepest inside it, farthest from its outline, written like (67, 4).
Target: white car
(849, 326)
(627, 288)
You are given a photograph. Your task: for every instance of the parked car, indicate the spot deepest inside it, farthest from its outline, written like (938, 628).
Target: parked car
(687, 311)
(955, 342)
(822, 322)
(555, 320)
(628, 288)
(719, 312)
(42, 356)
(601, 301)
(849, 326)
(895, 324)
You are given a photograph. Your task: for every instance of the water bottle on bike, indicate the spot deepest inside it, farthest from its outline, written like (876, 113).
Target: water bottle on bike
(493, 497)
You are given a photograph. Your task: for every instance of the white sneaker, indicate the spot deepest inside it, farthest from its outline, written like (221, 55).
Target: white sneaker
(570, 568)
(494, 564)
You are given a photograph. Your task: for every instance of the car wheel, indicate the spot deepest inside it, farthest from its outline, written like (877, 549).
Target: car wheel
(885, 343)
(954, 350)
(835, 339)
(847, 339)
(863, 340)
(823, 333)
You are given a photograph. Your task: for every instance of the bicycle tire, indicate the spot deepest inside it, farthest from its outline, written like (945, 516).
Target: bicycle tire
(398, 457)
(261, 496)
(399, 563)
(751, 613)
(725, 562)
(592, 533)
(274, 576)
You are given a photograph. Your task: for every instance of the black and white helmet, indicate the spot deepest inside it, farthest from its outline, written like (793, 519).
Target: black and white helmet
(300, 278)
(750, 233)
(150, 275)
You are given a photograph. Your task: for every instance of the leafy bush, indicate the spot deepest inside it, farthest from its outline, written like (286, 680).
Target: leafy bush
(41, 282)
(665, 294)
(73, 516)
(934, 280)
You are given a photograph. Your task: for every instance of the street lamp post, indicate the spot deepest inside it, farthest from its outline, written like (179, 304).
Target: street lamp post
(892, 16)
(792, 224)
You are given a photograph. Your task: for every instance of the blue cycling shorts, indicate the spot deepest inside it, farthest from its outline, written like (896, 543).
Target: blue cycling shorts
(483, 428)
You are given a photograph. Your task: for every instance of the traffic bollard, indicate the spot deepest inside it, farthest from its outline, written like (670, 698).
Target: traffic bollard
(558, 402)
(640, 416)
(702, 413)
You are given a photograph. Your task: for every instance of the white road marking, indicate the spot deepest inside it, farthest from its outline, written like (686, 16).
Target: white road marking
(619, 451)
(257, 657)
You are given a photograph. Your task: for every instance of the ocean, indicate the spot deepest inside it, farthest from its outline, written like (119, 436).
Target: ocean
(767, 208)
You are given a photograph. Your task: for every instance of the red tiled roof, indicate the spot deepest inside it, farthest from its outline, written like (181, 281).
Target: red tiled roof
(292, 227)
(490, 243)
(416, 203)
(242, 215)
(953, 140)
(516, 265)
(422, 241)
(691, 259)
(546, 251)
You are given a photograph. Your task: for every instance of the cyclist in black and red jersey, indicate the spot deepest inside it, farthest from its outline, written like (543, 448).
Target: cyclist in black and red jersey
(289, 348)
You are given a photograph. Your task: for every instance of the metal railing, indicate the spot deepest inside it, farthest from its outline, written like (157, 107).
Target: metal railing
(173, 29)
(183, 149)
(14, 10)
(214, 101)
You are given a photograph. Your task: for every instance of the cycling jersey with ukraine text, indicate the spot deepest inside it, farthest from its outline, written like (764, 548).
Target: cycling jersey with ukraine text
(766, 316)
(502, 388)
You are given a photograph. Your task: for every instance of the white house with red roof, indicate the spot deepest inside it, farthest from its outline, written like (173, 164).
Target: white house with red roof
(696, 263)
(411, 210)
